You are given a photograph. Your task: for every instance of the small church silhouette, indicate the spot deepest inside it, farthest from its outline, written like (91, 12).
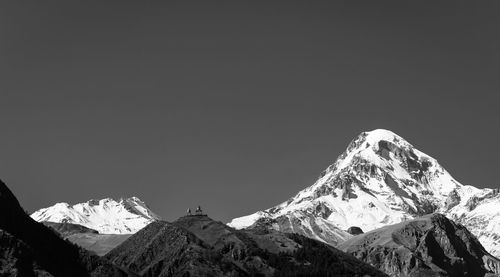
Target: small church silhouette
(198, 212)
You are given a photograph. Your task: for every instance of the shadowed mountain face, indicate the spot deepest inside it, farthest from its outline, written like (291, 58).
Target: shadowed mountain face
(32, 249)
(200, 246)
(428, 246)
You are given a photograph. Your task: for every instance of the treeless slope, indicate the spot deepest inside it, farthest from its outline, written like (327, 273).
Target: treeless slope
(87, 238)
(100, 244)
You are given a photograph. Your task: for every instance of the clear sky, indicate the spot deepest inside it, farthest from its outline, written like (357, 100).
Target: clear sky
(236, 106)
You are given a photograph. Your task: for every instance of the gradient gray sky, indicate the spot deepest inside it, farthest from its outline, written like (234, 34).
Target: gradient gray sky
(236, 106)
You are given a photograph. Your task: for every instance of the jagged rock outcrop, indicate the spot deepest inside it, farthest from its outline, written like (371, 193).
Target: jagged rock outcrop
(452, 200)
(354, 230)
(431, 245)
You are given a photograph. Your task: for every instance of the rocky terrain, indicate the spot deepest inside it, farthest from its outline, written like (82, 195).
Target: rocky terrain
(431, 245)
(382, 179)
(200, 246)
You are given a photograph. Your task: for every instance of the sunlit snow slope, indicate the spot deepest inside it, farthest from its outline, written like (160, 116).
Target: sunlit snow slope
(382, 179)
(107, 216)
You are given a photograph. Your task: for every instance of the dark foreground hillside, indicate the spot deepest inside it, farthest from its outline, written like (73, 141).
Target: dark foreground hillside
(200, 246)
(28, 248)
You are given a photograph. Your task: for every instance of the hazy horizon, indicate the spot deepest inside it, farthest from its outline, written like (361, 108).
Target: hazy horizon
(236, 106)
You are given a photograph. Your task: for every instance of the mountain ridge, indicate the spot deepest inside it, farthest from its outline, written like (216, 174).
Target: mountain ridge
(107, 216)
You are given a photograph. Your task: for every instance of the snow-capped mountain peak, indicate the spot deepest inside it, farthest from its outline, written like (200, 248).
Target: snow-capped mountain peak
(108, 216)
(380, 179)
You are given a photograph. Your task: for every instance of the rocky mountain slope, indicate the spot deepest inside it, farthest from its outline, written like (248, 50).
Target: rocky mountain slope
(382, 179)
(28, 248)
(200, 246)
(431, 245)
(107, 216)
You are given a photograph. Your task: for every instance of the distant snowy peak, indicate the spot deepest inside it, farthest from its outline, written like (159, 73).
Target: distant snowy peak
(107, 216)
(380, 153)
(382, 179)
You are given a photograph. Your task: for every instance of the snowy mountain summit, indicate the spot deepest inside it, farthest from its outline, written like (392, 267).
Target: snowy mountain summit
(382, 179)
(107, 216)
